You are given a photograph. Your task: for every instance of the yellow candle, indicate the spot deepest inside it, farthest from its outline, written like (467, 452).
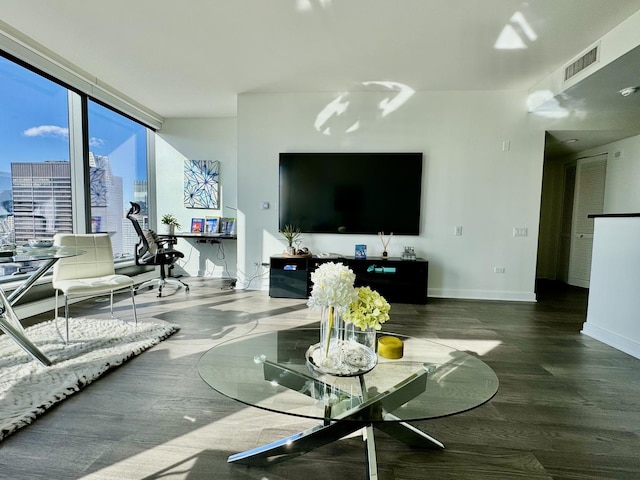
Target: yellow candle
(390, 347)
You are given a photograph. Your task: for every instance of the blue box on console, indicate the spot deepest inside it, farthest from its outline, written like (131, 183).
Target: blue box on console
(361, 251)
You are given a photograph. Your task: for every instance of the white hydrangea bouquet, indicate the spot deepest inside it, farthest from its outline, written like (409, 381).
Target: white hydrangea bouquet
(333, 292)
(332, 286)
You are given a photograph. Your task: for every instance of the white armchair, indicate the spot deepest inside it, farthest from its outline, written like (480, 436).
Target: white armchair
(90, 274)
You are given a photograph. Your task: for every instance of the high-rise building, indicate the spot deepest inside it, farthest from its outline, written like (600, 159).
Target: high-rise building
(41, 199)
(140, 195)
(42, 204)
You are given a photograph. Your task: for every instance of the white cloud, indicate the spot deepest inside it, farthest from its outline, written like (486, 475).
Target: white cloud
(47, 131)
(96, 142)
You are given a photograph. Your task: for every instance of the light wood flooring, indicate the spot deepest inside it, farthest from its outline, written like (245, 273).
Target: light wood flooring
(568, 406)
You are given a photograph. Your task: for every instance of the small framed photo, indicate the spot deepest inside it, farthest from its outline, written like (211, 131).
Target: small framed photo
(197, 225)
(211, 224)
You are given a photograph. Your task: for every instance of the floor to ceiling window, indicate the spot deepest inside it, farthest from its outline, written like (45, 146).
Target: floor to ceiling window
(35, 186)
(36, 166)
(118, 174)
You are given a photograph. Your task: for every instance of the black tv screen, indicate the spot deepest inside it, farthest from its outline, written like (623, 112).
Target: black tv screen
(352, 193)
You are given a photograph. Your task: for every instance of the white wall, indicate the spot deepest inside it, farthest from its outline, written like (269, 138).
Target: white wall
(468, 180)
(614, 303)
(198, 139)
(622, 188)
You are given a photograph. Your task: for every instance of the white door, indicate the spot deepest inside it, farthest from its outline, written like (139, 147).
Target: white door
(588, 200)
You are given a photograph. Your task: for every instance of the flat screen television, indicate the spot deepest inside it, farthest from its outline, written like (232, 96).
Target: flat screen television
(351, 193)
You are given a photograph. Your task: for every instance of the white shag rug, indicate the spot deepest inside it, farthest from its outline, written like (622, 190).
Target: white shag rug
(28, 388)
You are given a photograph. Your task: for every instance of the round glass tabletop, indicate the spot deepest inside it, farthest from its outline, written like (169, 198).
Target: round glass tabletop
(270, 371)
(23, 254)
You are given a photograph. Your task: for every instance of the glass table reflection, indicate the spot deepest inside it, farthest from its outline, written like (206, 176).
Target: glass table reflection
(270, 371)
(9, 322)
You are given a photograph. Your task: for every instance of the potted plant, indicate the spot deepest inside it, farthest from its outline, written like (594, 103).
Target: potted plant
(170, 222)
(291, 233)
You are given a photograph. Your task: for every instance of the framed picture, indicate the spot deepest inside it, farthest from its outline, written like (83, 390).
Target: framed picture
(201, 183)
(197, 225)
(211, 224)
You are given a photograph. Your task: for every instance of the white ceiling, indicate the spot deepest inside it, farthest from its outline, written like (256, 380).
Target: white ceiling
(192, 58)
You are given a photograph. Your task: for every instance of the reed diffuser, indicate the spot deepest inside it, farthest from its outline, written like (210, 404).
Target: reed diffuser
(385, 243)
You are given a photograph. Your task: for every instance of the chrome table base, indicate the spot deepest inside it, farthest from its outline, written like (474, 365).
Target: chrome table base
(371, 413)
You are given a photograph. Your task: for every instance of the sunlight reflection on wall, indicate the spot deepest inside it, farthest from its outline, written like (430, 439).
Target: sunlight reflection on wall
(510, 37)
(543, 103)
(308, 5)
(386, 106)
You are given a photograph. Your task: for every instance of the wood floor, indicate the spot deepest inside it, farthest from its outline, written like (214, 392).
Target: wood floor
(568, 406)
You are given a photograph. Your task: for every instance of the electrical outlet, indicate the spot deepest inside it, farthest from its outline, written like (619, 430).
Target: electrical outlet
(520, 231)
(498, 269)
(458, 231)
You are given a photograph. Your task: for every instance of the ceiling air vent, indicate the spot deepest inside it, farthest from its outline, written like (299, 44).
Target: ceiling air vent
(581, 63)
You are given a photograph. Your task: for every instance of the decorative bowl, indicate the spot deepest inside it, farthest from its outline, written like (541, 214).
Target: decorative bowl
(40, 243)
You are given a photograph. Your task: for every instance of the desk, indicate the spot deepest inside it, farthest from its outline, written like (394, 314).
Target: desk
(9, 321)
(201, 237)
(269, 371)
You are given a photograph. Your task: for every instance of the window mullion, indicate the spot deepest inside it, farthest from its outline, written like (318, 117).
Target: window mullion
(77, 147)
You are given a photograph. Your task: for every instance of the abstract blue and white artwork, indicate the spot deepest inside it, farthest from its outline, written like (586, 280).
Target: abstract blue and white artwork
(201, 183)
(100, 180)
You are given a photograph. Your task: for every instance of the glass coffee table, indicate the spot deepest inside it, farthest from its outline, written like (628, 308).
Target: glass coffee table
(270, 371)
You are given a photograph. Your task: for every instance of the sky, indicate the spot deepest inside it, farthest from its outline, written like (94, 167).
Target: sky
(33, 123)
(34, 126)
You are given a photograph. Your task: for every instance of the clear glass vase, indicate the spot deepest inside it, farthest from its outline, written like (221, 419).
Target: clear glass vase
(343, 350)
(331, 337)
(365, 337)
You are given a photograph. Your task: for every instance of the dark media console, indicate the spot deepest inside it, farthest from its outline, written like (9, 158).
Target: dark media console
(397, 280)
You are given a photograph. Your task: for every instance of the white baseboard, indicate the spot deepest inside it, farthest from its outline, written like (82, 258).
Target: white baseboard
(481, 295)
(612, 339)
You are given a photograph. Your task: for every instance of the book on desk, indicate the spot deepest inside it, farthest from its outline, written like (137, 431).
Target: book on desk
(197, 225)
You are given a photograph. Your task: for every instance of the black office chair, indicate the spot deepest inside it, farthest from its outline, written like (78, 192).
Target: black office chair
(152, 250)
